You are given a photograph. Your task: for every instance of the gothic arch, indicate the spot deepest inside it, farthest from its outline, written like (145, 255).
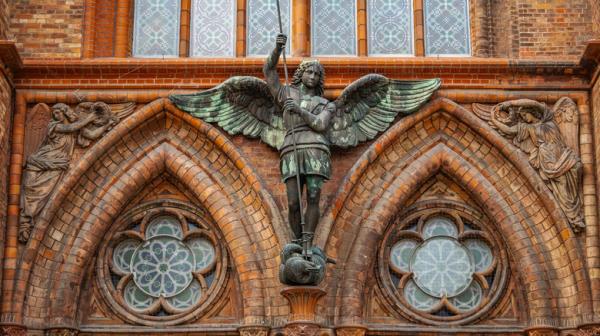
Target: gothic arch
(444, 137)
(157, 139)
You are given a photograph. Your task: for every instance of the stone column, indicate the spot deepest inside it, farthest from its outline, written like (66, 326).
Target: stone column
(303, 304)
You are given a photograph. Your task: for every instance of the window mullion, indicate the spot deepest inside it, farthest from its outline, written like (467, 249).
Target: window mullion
(419, 28)
(361, 23)
(184, 31)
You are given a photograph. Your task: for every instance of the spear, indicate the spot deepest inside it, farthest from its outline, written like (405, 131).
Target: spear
(305, 242)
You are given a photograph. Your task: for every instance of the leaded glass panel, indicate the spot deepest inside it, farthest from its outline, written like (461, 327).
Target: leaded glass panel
(213, 28)
(333, 27)
(439, 226)
(189, 297)
(162, 267)
(156, 28)
(390, 27)
(263, 25)
(442, 267)
(468, 299)
(417, 298)
(164, 226)
(447, 27)
(122, 255)
(401, 254)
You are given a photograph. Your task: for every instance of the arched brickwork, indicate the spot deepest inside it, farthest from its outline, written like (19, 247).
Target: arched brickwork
(157, 139)
(444, 137)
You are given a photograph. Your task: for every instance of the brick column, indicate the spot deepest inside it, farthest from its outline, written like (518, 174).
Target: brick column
(122, 35)
(300, 28)
(89, 29)
(9, 62)
(361, 9)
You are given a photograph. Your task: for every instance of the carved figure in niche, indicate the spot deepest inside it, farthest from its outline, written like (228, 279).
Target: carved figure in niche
(298, 121)
(45, 167)
(533, 128)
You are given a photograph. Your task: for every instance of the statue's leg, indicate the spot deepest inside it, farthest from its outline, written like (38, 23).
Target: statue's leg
(294, 206)
(313, 189)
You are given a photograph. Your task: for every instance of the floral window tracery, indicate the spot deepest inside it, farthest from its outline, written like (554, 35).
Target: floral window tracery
(165, 266)
(440, 267)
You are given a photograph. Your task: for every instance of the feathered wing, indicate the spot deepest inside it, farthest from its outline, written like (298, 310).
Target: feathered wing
(484, 112)
(240, 105)
(370, 104)
(566, 116)
(122, 110)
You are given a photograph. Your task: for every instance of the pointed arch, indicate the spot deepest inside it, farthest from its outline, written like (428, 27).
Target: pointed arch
(156, 139)
(444, 137)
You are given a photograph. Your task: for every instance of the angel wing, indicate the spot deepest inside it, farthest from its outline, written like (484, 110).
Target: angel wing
(566, 116)
(37, 127)
(240, 105)
(122, 110)
(370, 104)
(484, 112)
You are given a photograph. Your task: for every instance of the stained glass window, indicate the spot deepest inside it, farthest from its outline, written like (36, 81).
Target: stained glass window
(263, 26)
(156, 28)
(213, 28)
(163, 263)
(441, 269)
(447, 27)
(390, 27)
(333, 27)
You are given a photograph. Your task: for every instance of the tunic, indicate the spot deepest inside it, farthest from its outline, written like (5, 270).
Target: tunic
(309, 132)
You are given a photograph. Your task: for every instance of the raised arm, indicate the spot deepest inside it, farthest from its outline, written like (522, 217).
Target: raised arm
(270, 67)
(510, 130)
(76, 126)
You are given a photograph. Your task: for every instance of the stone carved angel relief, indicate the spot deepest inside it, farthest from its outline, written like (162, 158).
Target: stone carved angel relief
(44, 168)
(549, 137)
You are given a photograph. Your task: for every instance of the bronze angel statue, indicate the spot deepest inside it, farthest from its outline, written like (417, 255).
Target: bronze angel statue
(536, 129)
(303, 125)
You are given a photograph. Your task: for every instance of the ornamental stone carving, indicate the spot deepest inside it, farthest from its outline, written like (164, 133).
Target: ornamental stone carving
(549, 137)
(44, 168)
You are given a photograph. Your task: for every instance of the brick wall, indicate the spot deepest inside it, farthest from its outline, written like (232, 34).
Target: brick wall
(503, 27)
(549, 28)
(595, 18)
(5, 109)
(4, 18)
(47, 28)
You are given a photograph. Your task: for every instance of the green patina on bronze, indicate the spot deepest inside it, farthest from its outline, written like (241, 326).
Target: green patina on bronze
(296, 120)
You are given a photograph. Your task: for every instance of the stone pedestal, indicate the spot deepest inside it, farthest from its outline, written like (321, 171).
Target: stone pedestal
(303, 304)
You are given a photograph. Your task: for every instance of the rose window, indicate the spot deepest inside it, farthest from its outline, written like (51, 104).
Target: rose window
(442, 267)
(164, 265)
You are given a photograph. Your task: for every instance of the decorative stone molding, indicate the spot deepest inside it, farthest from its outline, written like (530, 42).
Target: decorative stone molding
(253, 331)
(594, 331)
(61, 332)
(351, 331)
(542, 331)
(303, 304)
(13, 330)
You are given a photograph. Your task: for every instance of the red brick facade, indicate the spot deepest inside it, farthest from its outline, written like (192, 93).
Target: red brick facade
(442, 156)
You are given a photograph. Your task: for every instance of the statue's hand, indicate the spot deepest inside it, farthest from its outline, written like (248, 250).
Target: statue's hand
(291, 106)
(281, 41)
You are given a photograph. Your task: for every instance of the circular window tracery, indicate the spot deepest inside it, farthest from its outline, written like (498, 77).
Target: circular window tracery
(164, 266)
(441, 267)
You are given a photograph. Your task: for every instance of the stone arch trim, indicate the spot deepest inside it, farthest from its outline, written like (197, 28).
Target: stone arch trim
(157, 138)
(443, 136)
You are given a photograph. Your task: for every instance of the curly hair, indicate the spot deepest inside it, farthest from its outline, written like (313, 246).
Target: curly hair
(297, 79)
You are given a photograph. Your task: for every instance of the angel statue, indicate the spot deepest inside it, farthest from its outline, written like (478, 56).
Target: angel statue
(44, 168)
(533, 128)
(303, 125)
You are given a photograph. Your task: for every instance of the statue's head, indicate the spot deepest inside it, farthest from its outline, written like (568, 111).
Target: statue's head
(310, 73)
(61, 111)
